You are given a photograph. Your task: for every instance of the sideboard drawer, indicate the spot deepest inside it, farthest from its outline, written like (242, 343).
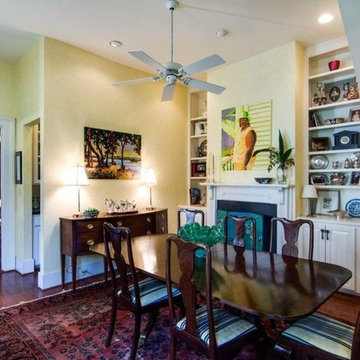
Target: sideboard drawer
(139, 225)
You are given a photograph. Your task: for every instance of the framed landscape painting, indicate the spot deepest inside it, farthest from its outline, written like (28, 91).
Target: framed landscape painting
(112, 154)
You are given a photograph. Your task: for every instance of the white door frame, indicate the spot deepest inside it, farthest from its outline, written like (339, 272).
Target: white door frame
(7, 126)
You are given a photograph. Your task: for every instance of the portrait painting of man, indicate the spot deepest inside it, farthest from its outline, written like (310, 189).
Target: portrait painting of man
(245, 129)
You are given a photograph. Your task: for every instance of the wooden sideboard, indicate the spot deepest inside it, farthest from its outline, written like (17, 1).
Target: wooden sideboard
(78, 233)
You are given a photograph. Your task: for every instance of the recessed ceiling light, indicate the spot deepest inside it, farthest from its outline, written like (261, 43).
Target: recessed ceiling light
(115, 43)
(221, 33)
(325, 18)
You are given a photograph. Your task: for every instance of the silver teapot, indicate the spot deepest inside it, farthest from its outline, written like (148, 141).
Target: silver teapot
(337, 179)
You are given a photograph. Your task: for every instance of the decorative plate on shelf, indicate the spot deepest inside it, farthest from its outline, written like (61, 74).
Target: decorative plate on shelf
(319, 162)
(353, 207)
(203, 148)
(319, 179)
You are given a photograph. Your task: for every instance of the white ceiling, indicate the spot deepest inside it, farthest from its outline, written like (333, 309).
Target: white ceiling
(254, 26)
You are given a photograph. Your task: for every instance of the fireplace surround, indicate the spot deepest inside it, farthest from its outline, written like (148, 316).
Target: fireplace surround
(265, 196)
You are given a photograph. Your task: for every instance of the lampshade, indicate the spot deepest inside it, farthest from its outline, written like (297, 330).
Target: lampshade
(309, 192)
(77, 176)
(149, 177)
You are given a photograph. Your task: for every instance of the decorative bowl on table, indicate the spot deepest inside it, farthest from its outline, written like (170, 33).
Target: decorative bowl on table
(91, 213)
(263, 180)
(208, 235)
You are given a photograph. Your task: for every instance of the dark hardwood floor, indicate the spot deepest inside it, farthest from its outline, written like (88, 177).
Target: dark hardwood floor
(16, 288)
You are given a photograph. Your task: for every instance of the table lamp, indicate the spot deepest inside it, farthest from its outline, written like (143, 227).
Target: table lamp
(150, 180)
(309, 192)
(77, 177)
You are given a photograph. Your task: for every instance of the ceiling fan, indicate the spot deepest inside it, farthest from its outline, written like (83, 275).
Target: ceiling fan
(172, 71)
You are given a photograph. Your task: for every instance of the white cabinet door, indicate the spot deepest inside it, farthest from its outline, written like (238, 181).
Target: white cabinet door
(340, 249)
(319, 242)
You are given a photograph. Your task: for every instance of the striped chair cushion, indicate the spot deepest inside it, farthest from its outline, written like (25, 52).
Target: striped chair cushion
(227, 326)
(324, 333)
(152, 291)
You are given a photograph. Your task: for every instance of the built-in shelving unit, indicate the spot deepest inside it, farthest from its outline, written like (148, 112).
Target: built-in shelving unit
(197, 153)
(334, 160)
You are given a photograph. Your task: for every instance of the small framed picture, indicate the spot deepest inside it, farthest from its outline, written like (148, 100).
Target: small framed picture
(320, 144)
(355, 178)
(18, 167)
(327, 201)
(200, 128)
(200, 169)
(195, 196)
(354, 114)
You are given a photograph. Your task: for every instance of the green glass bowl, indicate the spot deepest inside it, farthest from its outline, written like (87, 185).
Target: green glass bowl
(209, 235)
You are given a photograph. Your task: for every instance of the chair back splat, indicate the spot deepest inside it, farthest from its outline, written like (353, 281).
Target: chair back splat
(291, 235)
(191, 216)
(239, 223)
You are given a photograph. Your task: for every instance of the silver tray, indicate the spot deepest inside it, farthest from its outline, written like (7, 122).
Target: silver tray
(319, 162)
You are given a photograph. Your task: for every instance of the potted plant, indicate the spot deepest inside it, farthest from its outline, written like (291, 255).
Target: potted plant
(280, 157)
(91, 212)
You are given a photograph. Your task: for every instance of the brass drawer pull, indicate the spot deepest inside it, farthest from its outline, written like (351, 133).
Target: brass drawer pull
(148, 219)
(148, 233)
(119, 223)
(91, 242)
(90, 226)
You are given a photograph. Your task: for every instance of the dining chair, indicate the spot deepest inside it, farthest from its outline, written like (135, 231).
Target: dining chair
(319, 337)
(214, 331)
(146, 296)
(291, 235)
(238, 223)
(190, 216)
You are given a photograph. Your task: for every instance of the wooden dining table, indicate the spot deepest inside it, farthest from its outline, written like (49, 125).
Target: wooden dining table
(260, 283)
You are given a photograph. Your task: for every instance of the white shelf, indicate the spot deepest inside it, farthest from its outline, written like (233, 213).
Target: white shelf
(199, 118)
(198, 177)
(332, 170)
(341, 125)
(198, 159)
(338, 187)
(198, 136)
(335, 104)
(330, 152)
(349, 70)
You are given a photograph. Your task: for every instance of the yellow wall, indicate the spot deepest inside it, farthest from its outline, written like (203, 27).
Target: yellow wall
(269, 75)
(28, 109)
(78, 93)
(7, 89)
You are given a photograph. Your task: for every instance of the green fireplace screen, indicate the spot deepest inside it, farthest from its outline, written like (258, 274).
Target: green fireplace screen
(259, 219)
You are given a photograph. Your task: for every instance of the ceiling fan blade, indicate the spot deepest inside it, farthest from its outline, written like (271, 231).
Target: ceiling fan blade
(202, 65)
(168, 92)
(142, 56)
(136, 81)
(203, 85)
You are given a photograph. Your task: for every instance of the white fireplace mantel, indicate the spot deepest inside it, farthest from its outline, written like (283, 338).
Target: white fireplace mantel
(280, 195)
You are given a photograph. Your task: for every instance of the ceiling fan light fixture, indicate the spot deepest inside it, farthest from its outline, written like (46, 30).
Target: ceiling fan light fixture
(115, 43)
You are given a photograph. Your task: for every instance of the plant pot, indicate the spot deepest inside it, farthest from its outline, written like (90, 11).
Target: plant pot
(282, 174)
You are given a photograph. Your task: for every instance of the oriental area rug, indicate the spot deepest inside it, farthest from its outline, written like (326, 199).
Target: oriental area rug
(73, 325)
